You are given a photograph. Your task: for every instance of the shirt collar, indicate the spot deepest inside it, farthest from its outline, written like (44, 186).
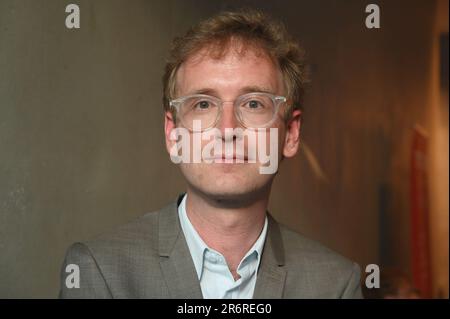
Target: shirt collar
(197, 246)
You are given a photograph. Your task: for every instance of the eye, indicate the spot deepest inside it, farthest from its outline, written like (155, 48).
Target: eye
(202, 105)
(254, 104)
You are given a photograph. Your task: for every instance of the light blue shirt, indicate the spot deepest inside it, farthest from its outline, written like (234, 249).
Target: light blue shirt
(216, 280)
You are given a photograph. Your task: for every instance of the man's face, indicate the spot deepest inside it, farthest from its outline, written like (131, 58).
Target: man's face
(227, 79)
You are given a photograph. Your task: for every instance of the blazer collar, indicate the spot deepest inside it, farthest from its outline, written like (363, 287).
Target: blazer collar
(271, 276)
(175, 259)
(169, 227)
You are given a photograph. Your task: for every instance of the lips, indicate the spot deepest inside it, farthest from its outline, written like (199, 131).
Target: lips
(235, 158)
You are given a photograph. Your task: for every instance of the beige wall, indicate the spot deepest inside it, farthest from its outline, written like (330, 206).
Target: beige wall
(81, 140)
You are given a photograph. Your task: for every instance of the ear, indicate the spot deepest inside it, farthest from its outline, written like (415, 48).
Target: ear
(169, 125)
(292, 139)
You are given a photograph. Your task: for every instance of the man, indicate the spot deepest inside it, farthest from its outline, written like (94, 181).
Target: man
(238, 79)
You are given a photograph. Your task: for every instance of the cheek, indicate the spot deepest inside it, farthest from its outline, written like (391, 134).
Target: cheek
(280, 138)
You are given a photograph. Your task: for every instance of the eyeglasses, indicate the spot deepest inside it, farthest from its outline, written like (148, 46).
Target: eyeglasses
(252, 110)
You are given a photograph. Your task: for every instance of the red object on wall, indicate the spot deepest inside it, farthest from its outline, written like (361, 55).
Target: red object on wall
(420, 243)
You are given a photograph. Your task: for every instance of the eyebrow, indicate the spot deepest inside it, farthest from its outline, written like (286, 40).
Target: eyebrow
(244, 90)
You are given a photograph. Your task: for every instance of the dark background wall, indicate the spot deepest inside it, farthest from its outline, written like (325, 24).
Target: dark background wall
(81, 127)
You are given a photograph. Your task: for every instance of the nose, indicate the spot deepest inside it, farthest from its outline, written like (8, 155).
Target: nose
(228, 119)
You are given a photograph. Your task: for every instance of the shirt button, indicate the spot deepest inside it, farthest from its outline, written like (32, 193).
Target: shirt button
(212, 257)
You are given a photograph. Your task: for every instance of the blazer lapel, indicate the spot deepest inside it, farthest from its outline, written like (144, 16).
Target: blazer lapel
(175, 259)
(271, 275)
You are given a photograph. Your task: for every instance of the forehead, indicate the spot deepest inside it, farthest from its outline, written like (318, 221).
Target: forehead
(229, 74)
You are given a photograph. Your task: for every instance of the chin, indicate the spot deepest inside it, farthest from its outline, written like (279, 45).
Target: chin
(232, 182)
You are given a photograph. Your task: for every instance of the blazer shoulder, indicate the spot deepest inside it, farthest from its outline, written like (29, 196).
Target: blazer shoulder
(139, 233)
(326, 272)
(299, 246)
(122, 263)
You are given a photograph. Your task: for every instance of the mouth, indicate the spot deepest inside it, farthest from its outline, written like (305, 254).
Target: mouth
(233, 159)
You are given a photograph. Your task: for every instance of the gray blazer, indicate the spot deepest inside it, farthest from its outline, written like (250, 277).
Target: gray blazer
(149, 258)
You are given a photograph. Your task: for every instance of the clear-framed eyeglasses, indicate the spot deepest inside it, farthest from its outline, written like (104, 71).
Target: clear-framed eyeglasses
(252, 110)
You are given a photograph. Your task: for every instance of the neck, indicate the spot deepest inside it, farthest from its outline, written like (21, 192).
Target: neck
(226, 226)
